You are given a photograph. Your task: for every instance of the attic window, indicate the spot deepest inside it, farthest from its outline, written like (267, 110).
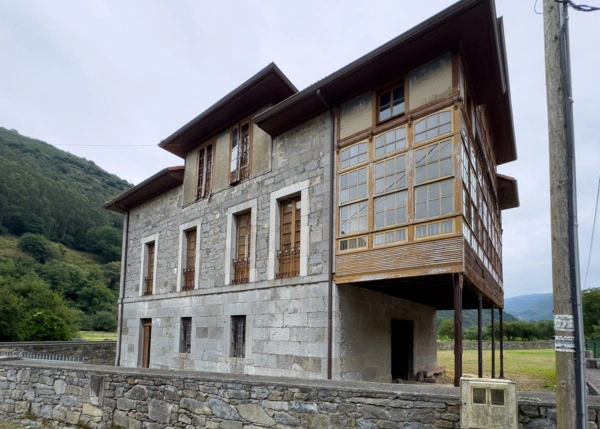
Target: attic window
(391, 103)
(240, 153)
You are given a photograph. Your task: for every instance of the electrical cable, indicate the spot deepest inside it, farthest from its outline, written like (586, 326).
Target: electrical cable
(587, 269)
(579, 7)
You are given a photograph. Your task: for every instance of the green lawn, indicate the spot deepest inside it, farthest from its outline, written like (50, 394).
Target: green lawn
(530, 369)
(97, 336)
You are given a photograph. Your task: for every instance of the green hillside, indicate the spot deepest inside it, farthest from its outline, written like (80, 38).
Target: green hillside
(47, 191)
(470, 317)
(59, 248)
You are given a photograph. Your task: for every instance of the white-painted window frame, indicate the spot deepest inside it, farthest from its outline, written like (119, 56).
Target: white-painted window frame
(181, 257)
(230, 241)
(144, 262)
(301, 188)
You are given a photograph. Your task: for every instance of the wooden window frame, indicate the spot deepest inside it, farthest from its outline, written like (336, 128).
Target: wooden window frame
(430, 200)
(430, 231)
(426, 162)
(189, 268)
(289, 237)
(243, 243)
(149, 270)
(389, 90)
(240, 152)
(238, 336)
(185, 342)
(204, 170)
(437, 128)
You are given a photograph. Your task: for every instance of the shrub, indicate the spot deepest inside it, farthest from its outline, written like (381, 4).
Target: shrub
(43, 325)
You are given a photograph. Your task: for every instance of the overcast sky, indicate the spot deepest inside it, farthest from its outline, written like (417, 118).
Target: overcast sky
(108, 80)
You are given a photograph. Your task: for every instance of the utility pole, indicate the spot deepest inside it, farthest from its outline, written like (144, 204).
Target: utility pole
(571, 401)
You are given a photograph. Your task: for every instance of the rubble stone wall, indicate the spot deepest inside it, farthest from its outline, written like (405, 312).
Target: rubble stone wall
(100, 397)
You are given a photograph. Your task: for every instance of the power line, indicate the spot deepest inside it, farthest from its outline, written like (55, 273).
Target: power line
(587, 269)
(108, 145)
(579, 7)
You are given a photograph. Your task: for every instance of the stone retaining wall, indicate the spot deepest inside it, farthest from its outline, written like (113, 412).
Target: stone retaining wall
(101, 397)
(92, 352)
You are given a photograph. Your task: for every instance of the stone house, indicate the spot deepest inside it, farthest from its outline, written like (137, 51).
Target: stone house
(315, 233)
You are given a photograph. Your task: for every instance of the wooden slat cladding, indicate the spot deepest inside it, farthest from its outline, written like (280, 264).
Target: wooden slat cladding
(481, 278)
(416, 259)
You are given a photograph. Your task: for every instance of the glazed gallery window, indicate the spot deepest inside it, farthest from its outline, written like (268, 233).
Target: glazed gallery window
(433, 162)
(189, 269)
(289, 242)
(185, 343)
(390, 142)
(240, 153)
(390, 206)
(238, 336)
(391, 103)
(241, 262)
(205, 166)
(434, 199)
(433, 126)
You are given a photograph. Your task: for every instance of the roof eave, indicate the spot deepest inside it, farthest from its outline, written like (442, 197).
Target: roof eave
(159, 183)
(508, 192)
(267, 86)
(487, 44)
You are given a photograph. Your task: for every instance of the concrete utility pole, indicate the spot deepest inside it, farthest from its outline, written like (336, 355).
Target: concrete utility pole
(571, 401)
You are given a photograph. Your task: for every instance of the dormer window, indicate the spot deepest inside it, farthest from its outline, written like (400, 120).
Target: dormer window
(205, 162)
(239, 167)
(391, 103)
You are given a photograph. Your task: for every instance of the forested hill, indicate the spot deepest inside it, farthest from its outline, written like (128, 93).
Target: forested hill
(47, 191)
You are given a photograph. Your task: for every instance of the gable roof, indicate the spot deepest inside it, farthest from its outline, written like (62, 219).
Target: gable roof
(267, 87)
(470, 26)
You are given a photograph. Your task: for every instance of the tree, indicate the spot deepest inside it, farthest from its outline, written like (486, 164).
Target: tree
(27, 222)
(11, 308)
(446, 329)
(38, 247)
(103, 321)
(33, 294)
(104, 241)
(590, 301)
(43, 325)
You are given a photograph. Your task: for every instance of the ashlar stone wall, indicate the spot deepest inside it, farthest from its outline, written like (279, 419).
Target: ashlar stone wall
(286, 319)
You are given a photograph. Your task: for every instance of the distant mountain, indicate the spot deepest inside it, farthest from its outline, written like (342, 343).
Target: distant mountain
(529, 308)
(45, 190)
(470, 317)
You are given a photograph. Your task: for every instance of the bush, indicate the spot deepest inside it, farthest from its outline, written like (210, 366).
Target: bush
(43, 325)
(103, 321)
(39, 247)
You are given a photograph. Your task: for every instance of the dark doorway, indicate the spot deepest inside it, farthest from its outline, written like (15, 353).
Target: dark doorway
(402, 349)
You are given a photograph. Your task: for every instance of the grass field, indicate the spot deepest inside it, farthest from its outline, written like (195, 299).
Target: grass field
(97, 336)
(530, 369)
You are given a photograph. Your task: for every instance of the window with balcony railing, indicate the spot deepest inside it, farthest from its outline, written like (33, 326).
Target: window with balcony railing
(241, 263)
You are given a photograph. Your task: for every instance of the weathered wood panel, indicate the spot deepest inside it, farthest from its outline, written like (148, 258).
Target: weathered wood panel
(415, 259)
(479, 276)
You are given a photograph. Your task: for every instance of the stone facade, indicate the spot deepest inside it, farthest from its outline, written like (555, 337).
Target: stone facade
(376, 190)
(286, 319)
(100, 398)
